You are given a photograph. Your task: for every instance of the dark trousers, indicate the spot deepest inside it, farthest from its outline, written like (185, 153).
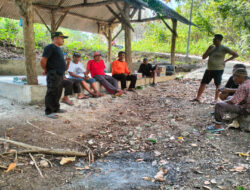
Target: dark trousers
(123, 78)
(54, 92)
(70, 86)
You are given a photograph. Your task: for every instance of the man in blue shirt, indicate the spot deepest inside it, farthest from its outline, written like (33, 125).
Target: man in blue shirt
(54, 66)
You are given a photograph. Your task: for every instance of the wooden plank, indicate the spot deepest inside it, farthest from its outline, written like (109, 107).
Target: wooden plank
(53, 21)
(174, 22)
(166, 24)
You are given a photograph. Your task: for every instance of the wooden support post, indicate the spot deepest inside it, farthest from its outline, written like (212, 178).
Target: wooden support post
(109, 44)
(174, 35)
(128, 38)
(53, 21)
(26, 11)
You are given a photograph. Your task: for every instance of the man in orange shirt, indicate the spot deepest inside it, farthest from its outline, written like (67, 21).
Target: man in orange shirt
(121, 72)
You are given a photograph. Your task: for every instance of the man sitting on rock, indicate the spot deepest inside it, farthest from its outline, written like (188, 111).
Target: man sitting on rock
(77, 72)
(96, 67)
(148, 70)
(121, 72)
(230, 87)
(239, 103)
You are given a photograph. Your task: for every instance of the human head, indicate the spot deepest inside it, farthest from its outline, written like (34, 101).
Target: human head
(240, 75)
(97, 56)
(121, 55)
(217, 39)
(58, 38)
(76, 57)
(238, 66)
(145, 60)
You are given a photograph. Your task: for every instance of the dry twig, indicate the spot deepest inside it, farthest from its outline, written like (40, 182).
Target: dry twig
(38, 169)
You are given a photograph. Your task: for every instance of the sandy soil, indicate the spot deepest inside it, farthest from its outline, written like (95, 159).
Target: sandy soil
(160, 121)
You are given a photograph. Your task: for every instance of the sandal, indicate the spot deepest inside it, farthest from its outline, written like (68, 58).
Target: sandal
(212, 129)
(195, 100)
(84, 97)
(52, 116)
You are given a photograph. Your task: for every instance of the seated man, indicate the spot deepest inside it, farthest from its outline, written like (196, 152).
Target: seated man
(69, 86)
(121, 72)
(239, 103)
(148, 70)
(230, 87)
(77, 72)
(96, 68)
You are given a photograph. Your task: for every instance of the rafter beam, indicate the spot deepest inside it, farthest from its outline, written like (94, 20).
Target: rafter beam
(41, 18)
(117, 34)
(75, 14)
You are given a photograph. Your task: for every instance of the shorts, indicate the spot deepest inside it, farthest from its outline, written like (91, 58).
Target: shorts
(212, 74)
(90, 80)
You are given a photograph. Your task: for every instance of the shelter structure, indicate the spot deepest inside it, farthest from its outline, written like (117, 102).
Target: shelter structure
(95, 16)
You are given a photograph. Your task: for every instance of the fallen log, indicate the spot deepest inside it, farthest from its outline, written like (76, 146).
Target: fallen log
(36, 149)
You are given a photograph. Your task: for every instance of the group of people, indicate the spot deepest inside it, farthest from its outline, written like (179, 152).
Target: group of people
(235, 96)
(54, 66)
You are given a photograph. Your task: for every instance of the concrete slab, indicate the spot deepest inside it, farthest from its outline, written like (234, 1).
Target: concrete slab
(34, 94)
(198, 74)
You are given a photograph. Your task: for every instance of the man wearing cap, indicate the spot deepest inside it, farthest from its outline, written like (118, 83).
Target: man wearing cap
(148, 70)
(77, 71)
(121, 72)
(54, 66)
(215, 66)
(239, 103)
(96, 67)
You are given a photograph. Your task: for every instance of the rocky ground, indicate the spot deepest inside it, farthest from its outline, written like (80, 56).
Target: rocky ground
(132, 138)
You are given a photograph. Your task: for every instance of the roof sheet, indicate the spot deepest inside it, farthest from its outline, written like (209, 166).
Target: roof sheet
(81, 18)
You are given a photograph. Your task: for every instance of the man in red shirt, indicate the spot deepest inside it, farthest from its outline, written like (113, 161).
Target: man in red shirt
(96, 68)
(239, 103)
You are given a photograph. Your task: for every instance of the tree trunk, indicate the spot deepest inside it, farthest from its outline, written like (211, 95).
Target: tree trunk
(26, 11)
(174, 21)
(128, 38)
(109, 44)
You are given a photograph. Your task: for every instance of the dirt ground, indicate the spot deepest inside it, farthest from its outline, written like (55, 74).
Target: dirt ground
(159, 126)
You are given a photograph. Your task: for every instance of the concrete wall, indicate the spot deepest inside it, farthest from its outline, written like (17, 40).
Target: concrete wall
(34, 94)
(26, 94)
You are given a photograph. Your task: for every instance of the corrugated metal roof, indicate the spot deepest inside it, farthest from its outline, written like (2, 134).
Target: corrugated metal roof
(80, 18)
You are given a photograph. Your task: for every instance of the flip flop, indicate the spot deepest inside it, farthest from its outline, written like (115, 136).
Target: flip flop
(52, 116)
(84, 97)
(212, 129)
(195, 100)
(67, 102)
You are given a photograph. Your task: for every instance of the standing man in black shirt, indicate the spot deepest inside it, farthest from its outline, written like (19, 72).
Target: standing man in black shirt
(54, 66)
(148, 70)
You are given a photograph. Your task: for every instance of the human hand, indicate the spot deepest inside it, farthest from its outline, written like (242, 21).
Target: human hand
(87, 77)
(68, 59)
(44, 72)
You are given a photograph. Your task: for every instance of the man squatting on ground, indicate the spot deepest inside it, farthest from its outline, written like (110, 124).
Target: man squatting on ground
(54, 66)
(230, 87)
(121, 72)
(215, 66)
(148, 70)
(239, 103)
(96, 67)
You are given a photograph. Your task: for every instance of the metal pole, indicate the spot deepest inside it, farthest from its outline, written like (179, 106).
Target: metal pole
(189, 28)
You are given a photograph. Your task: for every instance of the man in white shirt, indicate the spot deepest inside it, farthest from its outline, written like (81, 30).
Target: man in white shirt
(77, 71)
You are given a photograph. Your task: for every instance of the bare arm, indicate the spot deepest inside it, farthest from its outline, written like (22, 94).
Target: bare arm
(234, 55)
(206, 54)
(43, 64)
(74, 75)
